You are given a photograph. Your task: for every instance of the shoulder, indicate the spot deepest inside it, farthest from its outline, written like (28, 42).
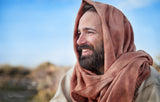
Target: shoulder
(149, 90)
(154, 78)
(63, 91)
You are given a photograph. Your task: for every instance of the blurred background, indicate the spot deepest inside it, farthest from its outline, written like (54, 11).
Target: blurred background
(36, 46)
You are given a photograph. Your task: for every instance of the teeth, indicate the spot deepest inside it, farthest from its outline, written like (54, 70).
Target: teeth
(84, 50)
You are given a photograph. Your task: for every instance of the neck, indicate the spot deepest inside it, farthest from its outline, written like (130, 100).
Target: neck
(99, 71)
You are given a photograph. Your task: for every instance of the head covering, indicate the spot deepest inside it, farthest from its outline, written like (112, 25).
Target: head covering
(124, 67)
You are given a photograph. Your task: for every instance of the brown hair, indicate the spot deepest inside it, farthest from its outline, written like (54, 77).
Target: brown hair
(88, 7)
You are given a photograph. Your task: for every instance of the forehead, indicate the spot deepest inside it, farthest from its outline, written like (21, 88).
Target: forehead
(89, 19)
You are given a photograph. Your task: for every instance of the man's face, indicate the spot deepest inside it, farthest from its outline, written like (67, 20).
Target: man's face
(90, 41)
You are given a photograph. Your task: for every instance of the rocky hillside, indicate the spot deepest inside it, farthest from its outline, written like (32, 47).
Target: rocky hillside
(19, 84)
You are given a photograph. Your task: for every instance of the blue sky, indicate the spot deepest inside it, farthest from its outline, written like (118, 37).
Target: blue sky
(36, 31)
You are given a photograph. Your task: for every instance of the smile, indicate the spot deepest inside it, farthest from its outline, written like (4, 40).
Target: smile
(86, 52)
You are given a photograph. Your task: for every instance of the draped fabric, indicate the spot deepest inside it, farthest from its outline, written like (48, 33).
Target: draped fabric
(124, 67)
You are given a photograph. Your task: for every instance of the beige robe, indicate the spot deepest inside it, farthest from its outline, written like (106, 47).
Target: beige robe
(149, 90)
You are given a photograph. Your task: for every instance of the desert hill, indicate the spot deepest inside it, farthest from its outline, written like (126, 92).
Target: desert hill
(20, 84)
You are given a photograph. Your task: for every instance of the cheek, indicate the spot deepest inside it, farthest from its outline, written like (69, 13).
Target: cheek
(95, 41)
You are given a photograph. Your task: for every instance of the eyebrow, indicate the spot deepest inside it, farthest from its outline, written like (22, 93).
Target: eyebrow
(87, 28)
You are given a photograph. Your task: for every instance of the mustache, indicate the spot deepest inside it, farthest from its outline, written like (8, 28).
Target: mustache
(85, 46)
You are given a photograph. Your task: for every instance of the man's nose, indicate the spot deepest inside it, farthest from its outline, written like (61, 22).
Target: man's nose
(81, 40)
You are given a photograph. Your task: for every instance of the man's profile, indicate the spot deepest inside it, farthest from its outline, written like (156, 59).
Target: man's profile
(108, 68)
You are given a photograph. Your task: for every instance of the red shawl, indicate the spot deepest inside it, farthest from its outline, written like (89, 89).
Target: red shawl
(124, 67)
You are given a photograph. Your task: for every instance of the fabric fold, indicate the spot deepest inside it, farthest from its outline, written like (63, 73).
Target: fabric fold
(124, 67)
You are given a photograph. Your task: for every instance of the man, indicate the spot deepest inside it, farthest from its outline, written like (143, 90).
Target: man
(108, 67)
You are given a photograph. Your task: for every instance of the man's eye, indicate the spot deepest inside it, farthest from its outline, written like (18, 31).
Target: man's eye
(79, 33)
(89, 32)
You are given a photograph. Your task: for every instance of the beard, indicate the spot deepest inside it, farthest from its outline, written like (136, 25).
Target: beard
(94, 61)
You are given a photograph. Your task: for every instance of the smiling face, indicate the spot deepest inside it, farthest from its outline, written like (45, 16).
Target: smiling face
(90, 41)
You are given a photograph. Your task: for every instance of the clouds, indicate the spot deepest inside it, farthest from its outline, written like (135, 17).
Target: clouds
(134, 4)
(130, 4)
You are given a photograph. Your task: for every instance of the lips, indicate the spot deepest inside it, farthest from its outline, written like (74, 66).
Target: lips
(86, 52)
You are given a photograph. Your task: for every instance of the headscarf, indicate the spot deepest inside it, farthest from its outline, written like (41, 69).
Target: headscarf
(124, 67)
